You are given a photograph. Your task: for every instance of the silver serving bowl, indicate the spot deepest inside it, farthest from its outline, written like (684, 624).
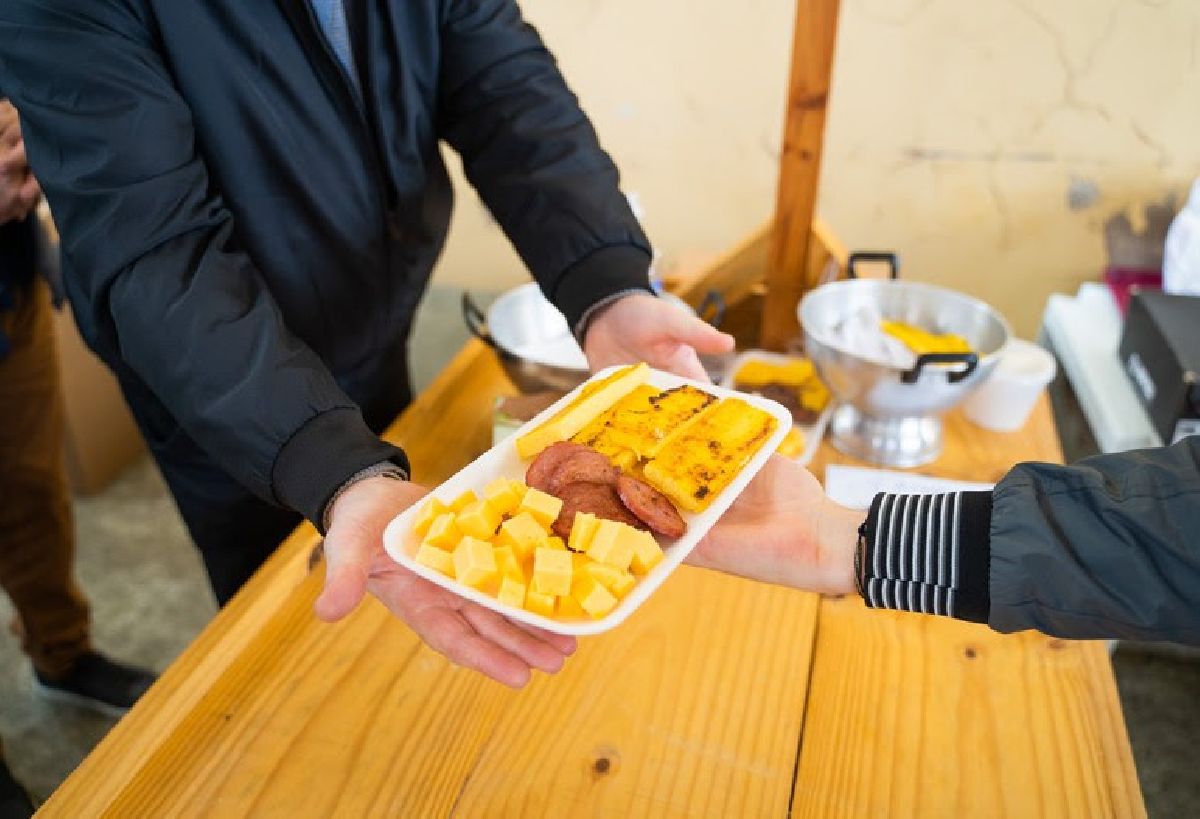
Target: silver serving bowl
(533, 341)
(887, 414)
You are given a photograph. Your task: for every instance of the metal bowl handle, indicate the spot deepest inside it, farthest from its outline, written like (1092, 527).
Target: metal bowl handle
(713, 302)
(971, 360)
(475, 320)
(893, 262)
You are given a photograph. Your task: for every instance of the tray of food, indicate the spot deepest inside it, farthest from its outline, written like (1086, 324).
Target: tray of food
(573, 522)
(791, 381)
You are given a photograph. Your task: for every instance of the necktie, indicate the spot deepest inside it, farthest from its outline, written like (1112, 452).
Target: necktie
(331, 14)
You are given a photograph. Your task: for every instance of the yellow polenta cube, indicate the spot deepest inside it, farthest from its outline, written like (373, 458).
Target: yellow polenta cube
(543, 507)
(552, 572)
(501, 496)
(463, 501)
(512, 592)
(474, 563)
(583, 528)
(610, 577)
(443, 532)
(479, 520)
(611, 545)
(425, 518)
(568, 608)
(646, 553)
(436, 559)
(507, 563)
(539, 603)
(592, 597)
(522, 533)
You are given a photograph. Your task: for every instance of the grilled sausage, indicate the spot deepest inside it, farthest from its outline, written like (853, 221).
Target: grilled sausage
(583, 466)
(547, 462)
(598, 499)
(651, 507)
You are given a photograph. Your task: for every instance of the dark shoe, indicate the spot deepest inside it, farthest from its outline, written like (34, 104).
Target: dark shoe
(14, 802)
(98, 683)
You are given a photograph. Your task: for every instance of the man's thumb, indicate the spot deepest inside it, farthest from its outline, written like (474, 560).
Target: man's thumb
(700, 335)
(347, 565)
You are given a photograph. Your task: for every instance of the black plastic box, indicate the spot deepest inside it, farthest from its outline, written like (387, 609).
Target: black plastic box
(1160, 351)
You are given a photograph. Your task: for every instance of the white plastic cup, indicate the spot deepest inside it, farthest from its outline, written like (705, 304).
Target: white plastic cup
(1004, 402)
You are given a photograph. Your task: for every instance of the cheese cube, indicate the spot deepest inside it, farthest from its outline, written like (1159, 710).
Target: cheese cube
(646, 553)
(436, 559)
(611, 578)
(429, 512)
(593, 598)
(568, 608)
(539, 603)
(443, 532)
(479, 520)
(580, 562)
(543, 507)
(554, 542)
(474, 563)
(612, 545)
(552, 572)
(501, 496)
(583, 528)
(519, 488)
(463, 501)
(507, 563)
(522, 533)
(512, 592)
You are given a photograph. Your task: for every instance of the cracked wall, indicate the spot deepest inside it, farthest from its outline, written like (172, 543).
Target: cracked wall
(989, 142)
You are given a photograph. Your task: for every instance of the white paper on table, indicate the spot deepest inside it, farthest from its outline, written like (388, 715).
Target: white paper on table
(856, 486)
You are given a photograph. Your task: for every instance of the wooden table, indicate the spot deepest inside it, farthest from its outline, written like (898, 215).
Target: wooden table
(720, 698)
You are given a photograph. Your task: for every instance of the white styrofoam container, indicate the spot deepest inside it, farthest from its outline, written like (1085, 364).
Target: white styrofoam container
(814, 432)
(502, 460)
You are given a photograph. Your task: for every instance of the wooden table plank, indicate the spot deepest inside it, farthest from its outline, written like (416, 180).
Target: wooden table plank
(695, 705)
(913, 715)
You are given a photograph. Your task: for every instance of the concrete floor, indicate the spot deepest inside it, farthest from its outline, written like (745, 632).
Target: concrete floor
(150, 599)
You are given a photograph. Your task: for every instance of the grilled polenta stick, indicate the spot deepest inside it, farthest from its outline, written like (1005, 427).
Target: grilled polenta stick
(591, 402)
(703, 460)
(645, 421)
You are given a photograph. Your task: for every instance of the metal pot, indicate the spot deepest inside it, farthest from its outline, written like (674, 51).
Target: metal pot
(533, 341)
(890, 415)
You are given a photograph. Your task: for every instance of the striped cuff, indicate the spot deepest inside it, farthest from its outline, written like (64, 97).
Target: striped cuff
(928, 554)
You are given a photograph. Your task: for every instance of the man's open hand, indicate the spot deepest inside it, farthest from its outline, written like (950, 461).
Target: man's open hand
(641, 327)
(466, 633)
(19, 191)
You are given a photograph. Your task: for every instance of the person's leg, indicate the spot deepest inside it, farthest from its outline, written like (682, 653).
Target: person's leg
(234, 531)
(37, 544)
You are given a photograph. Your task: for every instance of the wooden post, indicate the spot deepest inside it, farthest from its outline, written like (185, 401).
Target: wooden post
(788, 274)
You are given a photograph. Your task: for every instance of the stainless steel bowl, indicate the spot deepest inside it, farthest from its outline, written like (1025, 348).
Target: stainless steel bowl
(890, 415)
(533, 341)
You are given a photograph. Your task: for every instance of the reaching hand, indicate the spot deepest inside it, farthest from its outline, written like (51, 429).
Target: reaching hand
(783, 529)
(644, 328)
(465, 632)
(19, 191)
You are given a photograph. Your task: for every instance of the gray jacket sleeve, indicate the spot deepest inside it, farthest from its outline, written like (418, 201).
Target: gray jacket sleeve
(1107, 548)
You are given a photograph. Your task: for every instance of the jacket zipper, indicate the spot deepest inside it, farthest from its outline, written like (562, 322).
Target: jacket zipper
(304, 19)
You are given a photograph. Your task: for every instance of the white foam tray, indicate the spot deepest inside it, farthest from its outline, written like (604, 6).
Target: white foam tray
(814, 432)
(502, 460)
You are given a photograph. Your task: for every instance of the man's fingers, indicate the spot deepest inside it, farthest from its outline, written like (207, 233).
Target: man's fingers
(698, 334)
(564, 644)
(682, 360)
(449, 633)
(13, 161)
(536, 653)
(347, 567)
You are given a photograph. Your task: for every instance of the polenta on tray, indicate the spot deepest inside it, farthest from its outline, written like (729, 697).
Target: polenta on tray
(573, 522)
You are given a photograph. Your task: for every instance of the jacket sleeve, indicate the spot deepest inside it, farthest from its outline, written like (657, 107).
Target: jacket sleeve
(532, 154)
(152, 256)
(1109, 547)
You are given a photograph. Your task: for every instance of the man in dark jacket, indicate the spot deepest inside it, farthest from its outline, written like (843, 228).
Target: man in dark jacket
(251, 199)
(1107, 548)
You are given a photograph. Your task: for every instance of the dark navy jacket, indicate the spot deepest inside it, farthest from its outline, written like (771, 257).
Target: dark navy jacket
(248, 238)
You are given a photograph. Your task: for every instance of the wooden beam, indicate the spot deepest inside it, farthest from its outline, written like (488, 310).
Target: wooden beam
(788, 274)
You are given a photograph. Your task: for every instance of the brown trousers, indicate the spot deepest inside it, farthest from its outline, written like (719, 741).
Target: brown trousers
(37, 538)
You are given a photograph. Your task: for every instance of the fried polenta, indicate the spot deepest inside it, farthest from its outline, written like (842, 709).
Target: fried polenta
(700, 462)
(645, 421)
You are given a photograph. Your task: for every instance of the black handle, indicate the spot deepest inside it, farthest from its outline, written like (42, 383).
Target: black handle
(925, 359)
(888, 256)
(474, 318)
(714, 302)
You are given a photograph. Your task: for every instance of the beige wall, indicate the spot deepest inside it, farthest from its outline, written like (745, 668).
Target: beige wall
(959, 131)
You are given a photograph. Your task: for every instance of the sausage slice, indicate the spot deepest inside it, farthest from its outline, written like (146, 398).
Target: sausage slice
(597, 499)
(547, 462)
(651, 506)
(583, 466)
